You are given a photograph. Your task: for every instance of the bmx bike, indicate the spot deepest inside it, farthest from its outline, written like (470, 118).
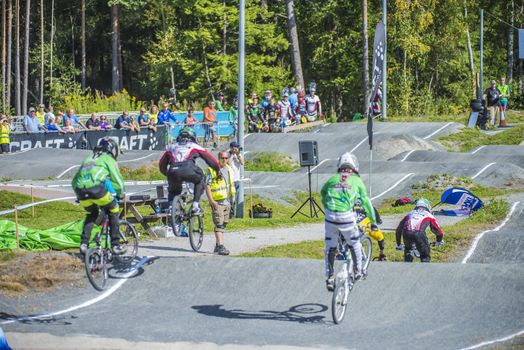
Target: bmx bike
(182, 217)
(97, 259)
(345, 277)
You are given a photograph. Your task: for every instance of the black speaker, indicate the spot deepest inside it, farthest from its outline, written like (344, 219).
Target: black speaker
(308, 153)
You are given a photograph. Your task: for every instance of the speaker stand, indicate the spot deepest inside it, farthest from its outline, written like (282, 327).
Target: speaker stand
(314, 208)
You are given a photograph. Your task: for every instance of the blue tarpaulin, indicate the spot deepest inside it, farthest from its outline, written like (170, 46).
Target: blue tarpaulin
(464, 199)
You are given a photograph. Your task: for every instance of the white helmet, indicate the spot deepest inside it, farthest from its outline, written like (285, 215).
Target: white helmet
(348, 160)
(423, 203)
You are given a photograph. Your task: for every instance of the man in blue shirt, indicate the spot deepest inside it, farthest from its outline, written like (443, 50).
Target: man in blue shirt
(165, 116)
(125, 122)
(75, 122)
(32, 123)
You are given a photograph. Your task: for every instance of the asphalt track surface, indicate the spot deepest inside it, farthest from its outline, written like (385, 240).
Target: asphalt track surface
(211, 302)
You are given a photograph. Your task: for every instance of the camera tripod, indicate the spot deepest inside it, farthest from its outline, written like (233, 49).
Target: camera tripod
(314, 208)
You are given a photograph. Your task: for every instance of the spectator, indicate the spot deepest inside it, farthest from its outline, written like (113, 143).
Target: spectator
(93, 123)
(68, 127)
(31, 122)
(236, 160)
(153, 114)
(75, 122)
(301, 109)
(60, 118)
(165, 116)
(125, 122)
(266, 99)
(49, 114)
(375, 105)
(53, 126)
(190, 119)
(210, 117)
(492, 94)
(220, 191)
(233, 116)
(220, 102)
(40, 114)
(273, 118)
(314, 108)
(143, 120)
(284, 110)
(504, 94)
(104, 123)
(293, 98)
(254, 112)
(5, 130)
(253, 95)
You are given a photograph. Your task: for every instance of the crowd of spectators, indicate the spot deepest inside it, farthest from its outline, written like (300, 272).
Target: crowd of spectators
(268, 115)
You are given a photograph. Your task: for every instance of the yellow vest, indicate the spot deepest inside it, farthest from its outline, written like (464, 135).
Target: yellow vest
(41, 117)
(220, 188)
(4, 134)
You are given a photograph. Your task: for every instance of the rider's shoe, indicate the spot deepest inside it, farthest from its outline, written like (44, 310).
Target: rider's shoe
(358, 276)
(119, 249)
(330, 283)
(83, 248)
(215, 145)
(221, 250)
(196, 210)
(382, 257)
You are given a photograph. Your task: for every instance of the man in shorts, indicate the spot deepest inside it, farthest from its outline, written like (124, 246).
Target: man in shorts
(220, 190)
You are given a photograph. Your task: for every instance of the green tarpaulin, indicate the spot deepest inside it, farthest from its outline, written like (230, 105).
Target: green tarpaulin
(57, 238)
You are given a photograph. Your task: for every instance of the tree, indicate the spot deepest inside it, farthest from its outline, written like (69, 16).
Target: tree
(26, 55)
(42, 58)
(365, 58)
(9, 46)
(17, 58)
(296, 62)
(83, 39)
(3, 57)
(115, 52)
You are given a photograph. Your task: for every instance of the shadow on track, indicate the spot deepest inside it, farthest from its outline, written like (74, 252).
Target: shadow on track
(293, 314)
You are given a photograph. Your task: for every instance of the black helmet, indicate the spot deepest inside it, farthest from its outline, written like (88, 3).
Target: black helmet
(186, 133)
(109, 146)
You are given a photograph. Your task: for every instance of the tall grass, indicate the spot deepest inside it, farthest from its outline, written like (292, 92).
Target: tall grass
(98, 102)
(271, 161)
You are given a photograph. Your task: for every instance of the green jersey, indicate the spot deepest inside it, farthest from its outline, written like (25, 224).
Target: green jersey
(95, 170)
(341, 191)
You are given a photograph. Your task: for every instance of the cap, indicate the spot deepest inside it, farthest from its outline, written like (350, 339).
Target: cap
(268, 92)
(493, 82)
(234, 144)
(31, 110)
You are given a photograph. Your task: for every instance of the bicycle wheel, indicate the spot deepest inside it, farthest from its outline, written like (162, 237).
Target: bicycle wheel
(128, 237)
(339, 302)
(366, 252)
(177, 215)
(196, 232)
(96, 268)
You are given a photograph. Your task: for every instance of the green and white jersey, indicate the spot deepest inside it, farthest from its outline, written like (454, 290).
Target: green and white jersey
(339, 194)
(95, 170)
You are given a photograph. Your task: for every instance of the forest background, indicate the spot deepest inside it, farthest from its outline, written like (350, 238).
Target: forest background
(79, 53)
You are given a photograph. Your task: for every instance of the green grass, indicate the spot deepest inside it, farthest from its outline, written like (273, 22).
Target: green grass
(460, 118)
(467, 139)
(149, 172)
(271, 161)
(457, 237)
(433, 187)
(46, 215)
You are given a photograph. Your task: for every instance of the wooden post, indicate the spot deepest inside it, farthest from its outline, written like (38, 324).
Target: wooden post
(16, 228)
(251, 198)
(32, 201)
